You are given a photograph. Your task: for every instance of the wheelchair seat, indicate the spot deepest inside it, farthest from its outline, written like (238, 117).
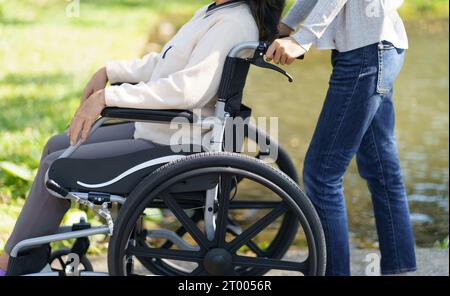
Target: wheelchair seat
(114, 175)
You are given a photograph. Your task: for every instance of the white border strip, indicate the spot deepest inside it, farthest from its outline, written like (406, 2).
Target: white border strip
(144, 165)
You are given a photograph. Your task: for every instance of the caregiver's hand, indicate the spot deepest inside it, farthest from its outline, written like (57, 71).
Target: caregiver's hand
(85, 116)
(97, 82)
(285, 51)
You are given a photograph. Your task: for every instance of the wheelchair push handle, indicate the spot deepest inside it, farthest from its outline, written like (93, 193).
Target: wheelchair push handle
(258, 60)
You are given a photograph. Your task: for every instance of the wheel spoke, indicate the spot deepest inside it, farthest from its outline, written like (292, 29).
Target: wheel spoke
(186, 221)
(200, 270)
(250, 244)
(271, 263)
(222, 215)
(253, 204)
(189, 256)
(182, 230)
(256, 228)
(255, 249)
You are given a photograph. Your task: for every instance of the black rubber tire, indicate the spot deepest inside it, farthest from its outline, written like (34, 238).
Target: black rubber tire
(84, 261)
(142, 195)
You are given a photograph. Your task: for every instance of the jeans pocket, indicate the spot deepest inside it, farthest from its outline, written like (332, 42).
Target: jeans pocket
(390, 63)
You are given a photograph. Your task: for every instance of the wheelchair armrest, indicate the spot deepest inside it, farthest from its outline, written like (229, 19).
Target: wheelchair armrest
(146, 114)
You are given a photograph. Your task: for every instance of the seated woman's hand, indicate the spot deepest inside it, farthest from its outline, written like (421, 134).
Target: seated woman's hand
(97, 82)
(86, 115)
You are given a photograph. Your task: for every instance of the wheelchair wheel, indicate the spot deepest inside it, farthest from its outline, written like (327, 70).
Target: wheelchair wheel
(285, 233)
(226, 254)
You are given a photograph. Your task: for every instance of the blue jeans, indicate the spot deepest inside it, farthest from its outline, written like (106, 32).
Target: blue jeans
(358, 119)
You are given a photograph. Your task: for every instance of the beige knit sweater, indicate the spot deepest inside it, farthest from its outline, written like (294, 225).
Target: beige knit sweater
(186, 74)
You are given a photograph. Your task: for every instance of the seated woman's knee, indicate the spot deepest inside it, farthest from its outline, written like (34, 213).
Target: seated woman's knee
(55, 143)
(47, 160)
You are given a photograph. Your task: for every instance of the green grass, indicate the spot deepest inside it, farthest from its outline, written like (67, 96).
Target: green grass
(46, 58)
(442, 244)
(415, 9)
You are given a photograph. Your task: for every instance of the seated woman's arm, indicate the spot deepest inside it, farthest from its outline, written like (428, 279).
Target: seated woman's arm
(191, 87)
(132, 71)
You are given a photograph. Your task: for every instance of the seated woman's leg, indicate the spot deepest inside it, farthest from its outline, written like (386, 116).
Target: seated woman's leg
(103, 134)
(42, 212)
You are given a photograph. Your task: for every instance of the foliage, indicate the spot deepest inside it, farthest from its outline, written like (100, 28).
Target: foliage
(442, 244)
(17, 171)
(430, 8)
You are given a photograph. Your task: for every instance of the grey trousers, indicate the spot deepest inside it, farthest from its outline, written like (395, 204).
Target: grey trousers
(42, 212)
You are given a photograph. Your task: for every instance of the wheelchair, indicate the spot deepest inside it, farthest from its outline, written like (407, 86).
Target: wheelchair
(221, 212)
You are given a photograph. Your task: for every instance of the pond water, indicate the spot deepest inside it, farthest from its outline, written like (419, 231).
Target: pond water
(422, 106)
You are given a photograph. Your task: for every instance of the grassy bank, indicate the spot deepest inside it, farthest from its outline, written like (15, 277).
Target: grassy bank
(45, 60)
(47, 57)
(416, 9)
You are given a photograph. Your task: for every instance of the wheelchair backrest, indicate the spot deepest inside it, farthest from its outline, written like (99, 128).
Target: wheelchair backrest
(233, 83)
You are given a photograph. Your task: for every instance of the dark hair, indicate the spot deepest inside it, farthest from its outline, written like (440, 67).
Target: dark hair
(267, 14)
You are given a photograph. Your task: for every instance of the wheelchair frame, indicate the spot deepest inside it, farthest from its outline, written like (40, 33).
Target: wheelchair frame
(100, 202)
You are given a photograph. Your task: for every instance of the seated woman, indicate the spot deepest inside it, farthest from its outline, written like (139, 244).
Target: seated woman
(186, 75)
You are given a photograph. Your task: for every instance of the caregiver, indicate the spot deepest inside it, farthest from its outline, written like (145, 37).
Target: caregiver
(368, 42)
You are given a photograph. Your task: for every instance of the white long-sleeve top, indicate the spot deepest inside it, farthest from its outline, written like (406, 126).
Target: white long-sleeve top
(347, 24)
(186, 74)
